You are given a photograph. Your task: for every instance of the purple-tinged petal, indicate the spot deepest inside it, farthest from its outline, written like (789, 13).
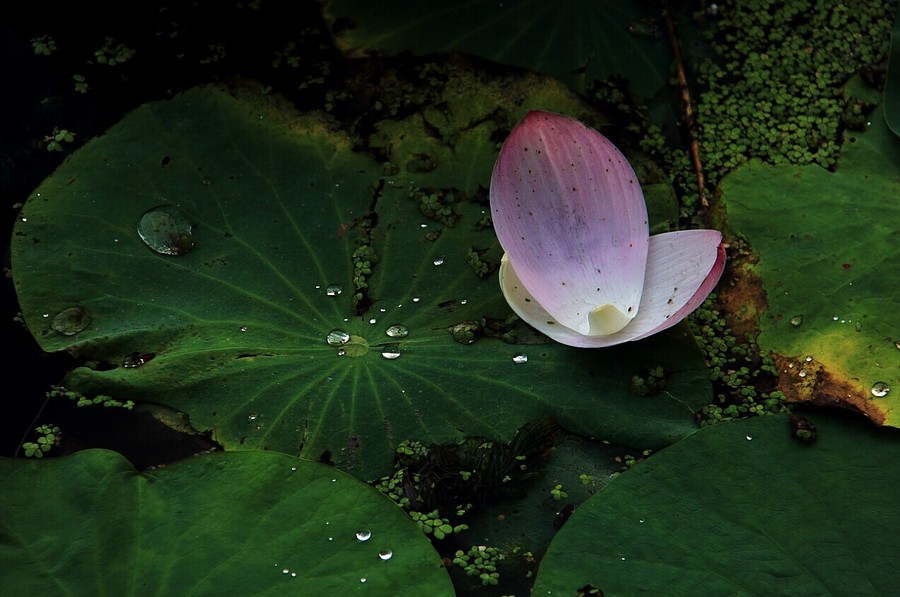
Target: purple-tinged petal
(568, 210)
(683, 267)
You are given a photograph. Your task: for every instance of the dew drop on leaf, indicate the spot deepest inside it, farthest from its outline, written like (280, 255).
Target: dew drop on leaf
(69, 322)
(520, 358)
(363, 534)
(385, 554)
(390, 352)
(397, 331)
(333, 290)
(337, 337)
(167, 230)
(880, 389)
(796, 321)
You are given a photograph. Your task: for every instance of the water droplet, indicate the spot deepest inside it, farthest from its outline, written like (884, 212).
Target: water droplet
(397, 331)
(749, 438)
(519, 358)
(897, 344)
(880, 389)
(252, 416)
(802, 374)
(809, 359)
(285, 571)
(136, 359)
(333, 290)
(835, 318)
(293, 575)
(385, 554)
(796, 321)
(390, 351)
(341, 352)
(363, 579)
(438, 261)
(337, 337)
(69, 322)
(463, 301)
(373, 321)
(416, 299)
(167, 230)
(243, 328)
(858, 326)
(363, 534)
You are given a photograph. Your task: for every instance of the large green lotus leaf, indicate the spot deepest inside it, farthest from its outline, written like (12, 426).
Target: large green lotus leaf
(741, 508)
(828, 249)
(576, 41)
(242, 523)
(892, 85)
(234, 331)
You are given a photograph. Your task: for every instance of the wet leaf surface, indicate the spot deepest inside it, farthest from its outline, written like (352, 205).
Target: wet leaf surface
(272, 332)
(741, 508)
(826, 242)
(254, 522)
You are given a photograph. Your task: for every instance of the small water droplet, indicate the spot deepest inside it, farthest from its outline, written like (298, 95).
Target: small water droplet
(802, 374)
(252, 416)
(416, 299)
(136, 359)
(363, 579)
(45, 315)
(341, 352)
(337, 337)
(809, 359)
(796, 321)
(285, 571)
(243, 328)
(749, 438)
(167, 230)
(880, 389)
(835, 318)
(397, 331)
(858, 326)
(438, 261)
(897, 344)
(293, 575)
(519, 358)
(385, 554)
(333, 290)
(373, 321)
(390, 352)
(69, 322)
(363, 534)
(463, 301)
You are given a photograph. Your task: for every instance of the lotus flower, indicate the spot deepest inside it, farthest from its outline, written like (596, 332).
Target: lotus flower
(579, 263)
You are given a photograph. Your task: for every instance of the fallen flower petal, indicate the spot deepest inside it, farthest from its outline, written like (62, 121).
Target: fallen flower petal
(580, 265)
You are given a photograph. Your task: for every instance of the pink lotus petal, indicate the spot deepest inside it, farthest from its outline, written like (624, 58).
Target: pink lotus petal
(569, 211)
(683, 267)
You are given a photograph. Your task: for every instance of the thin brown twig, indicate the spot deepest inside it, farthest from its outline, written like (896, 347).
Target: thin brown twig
(689, 118)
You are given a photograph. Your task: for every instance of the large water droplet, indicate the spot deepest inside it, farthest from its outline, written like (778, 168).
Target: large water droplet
(363, 534)
(390, 351)
(167, 230)
(333, 290)
(796, 321)
(69, 322)
(337, 337)
(397, 331)
(438, 261)
(519, 358)
(385, 554)
(880, 389)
